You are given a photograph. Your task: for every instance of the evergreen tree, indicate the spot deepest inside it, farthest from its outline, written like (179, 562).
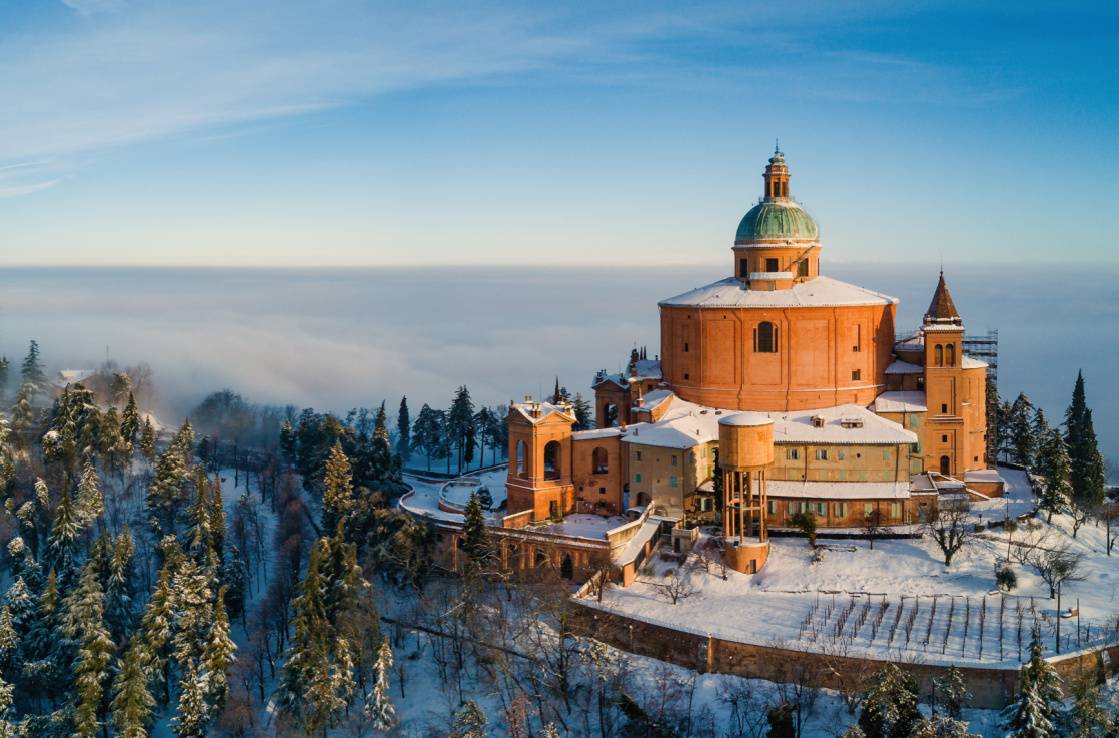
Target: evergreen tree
(32, 371)
(130, 423)
(23, 416)
(1041, 674)
(165, 493)
(993, 418)
(193, 713)
(62, 547)
(5, 366)
(288, 442)
(91, 501)
(110, 444)
(383, 466)
(338, 496)
(890, 706)
(157, 627)
(218, 655)
(556, 396)
(118, 590)
(85, 623)
(1029, 716)
(132, 703)
(1041, 430)
(317, 681)
(403, 432)
(1057, 486)
(470, 722)
(584, 413)
(951, 692)
(1022, 430)
(147, 440)
(476, 540)
(10, 660)
(1088, 475)
(1087, 717)
(426, 433)
(460, 421)
(378, 706)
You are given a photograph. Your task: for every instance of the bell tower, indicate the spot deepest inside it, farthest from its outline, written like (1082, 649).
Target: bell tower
(776, 177)
(945, 389)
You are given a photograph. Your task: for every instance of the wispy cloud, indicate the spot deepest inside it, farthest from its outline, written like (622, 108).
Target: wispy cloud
(90, 7)
(25, 189)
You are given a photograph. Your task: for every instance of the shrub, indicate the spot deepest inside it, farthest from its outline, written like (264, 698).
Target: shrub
(1005, 576)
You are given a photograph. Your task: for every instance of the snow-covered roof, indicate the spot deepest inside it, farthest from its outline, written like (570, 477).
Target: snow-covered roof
(838, 490)
(901, 401)
(72, 376)
(818, 292)
(916, 342)
(942, 328)
(984, 475)
(585, 435)
(652, 400)
(686, 424)
(535, 412)
(644, 369)
(904, 367)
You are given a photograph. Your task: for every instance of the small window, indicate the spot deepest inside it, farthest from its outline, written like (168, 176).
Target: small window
(639, 456)
(743, 268)
(842, 454)
(637, 477)
(895, 510)
(939, 353)
(822, 509)
(685, 347)
(821, 454)
(685, 375)
(792, 508)
(672, 482)
(858, 338)
(674, 459)
(856, 375)
(944, 439)
(773, 265)
(771, 506)
(886, 454)
(840, 509)
(793, 453)
(766, 338)
(951, 354)
(868, 509)
(944, 408)
(602, 490)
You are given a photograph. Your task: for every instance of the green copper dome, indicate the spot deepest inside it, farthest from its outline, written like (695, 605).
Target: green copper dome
(777, 219)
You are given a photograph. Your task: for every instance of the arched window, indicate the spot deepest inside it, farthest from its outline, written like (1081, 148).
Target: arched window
(939, 351)
(520, 458)
(600, 461)
(945, 465)
(643, 499)
(611, 412)
(951, 354)
(552, 460)
(765, 338)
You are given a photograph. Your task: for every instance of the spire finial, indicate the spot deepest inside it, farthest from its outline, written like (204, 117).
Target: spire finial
(777, 146)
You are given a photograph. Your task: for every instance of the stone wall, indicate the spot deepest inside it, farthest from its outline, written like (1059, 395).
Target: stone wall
(991, 687)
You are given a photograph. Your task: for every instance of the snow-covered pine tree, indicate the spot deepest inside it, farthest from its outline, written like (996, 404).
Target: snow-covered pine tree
(199, 538)
(378, 706)
(1029, 715)
(147, 440)
(62, 546)
(951, 692)
(10, 660)
(192, 610)
(84, 622)
(165, 493)
(130, 423)
(157, 628)
(91, 501)
(183, 442)
(132, 702)
(287, 442)
(890, 706)
(23, 416)
(1053, 458)
(119, 591)
(338, 495)
(192, 716)
(5, 368)
(218, 655)
(943, 726)
(470, 722)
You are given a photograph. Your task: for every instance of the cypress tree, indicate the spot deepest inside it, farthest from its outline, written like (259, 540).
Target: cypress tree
(1054, 459)
(1088, 476)
(476, 541)
(1022, 431)
(403, 431)
(460, 420)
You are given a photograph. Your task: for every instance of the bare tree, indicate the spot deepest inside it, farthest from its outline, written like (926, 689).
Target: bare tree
(872, 526)
(950, 527)
(1080, 514)
(674, 587)
(1055, 566)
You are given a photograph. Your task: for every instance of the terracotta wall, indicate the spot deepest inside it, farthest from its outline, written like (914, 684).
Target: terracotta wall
(859, 463)
(708, 357)
(598, 491)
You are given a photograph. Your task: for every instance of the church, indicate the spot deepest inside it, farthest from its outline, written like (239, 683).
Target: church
(777, 391)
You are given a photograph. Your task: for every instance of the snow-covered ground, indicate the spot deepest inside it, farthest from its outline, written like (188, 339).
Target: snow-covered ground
(895, 600)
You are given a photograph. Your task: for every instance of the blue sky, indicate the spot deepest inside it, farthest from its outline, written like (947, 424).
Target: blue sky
(343, 132)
